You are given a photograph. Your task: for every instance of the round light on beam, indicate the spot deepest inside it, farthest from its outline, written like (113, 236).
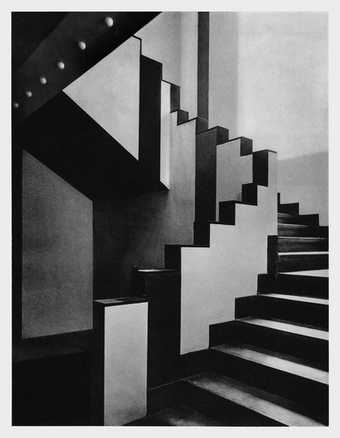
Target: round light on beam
(82, 45)
(28, 93)
(61, 65)
(43, 80)
(109, 21)
(16, 105)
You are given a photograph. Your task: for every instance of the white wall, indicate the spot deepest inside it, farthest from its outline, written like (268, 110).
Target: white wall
(125, 363)
(165, 134)
(171, 38)
(213, 277)
(109, 93)
(268, 81)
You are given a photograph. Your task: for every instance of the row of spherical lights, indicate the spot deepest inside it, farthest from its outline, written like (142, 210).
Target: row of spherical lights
(61, 65)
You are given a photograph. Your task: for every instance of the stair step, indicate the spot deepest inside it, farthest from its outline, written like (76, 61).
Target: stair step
(269, 359)
(323, 273)
(308, 253)
(287, 327)
(304, 299)
(156, 270)
(301, 341)
(278, 374)
(257, 407)
(306, 219)
(298, 261)
(182, 116)
(307, 283)
(291, 208)
(301, 230)
(302, 310)
(290, 244)
(181, 415)
(163, 319)
(173, 255)
(227, 211)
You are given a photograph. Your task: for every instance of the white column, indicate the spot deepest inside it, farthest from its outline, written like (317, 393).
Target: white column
(121, 359)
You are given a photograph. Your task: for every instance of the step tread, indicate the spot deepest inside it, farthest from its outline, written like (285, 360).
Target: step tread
(286, 327)
(307, 253)
(251, 398)
(267, 358)
(303, 238)
(302, 298)
(282, 214)
(302, 226)
(315, 273)
(181, 415)
(151, 270)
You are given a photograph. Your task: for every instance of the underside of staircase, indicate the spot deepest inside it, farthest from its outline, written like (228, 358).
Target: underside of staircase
(268, 367)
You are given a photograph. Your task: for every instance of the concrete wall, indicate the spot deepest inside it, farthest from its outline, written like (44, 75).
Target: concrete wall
(268, 81)
(156, 219)
(109, 93)
(57, 254)
(304, 179)
(132, 231)
(171, 38)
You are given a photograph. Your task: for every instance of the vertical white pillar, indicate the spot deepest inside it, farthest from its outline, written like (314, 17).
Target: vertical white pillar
(165, 134)
(121, 360)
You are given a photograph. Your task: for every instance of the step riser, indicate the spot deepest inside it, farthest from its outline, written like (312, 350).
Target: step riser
(291, 231)
(201, 233)
(288, 263)
(296, 244)
(227, 412)
(164, 396)
(292, 208)
(310, 349)
(227, 213)
(312, 219)
(293, 285)
(275, 308)
(182, 116)
(172, 257)
(310, 395)
(163, 322)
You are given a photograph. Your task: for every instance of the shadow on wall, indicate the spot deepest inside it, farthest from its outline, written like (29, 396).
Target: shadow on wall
(132, 231)
(304, 179)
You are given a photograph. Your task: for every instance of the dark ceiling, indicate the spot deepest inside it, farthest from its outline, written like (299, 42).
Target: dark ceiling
(28, 30)
(39, 39)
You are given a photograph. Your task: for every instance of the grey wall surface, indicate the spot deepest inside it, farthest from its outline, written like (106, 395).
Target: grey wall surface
(268, 81)
(306, 178)
(57, 254)
(132, 231)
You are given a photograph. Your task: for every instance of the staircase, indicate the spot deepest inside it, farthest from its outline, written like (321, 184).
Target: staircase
(268, 367)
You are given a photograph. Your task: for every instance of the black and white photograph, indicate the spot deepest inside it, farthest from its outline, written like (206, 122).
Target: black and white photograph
(170, 217)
